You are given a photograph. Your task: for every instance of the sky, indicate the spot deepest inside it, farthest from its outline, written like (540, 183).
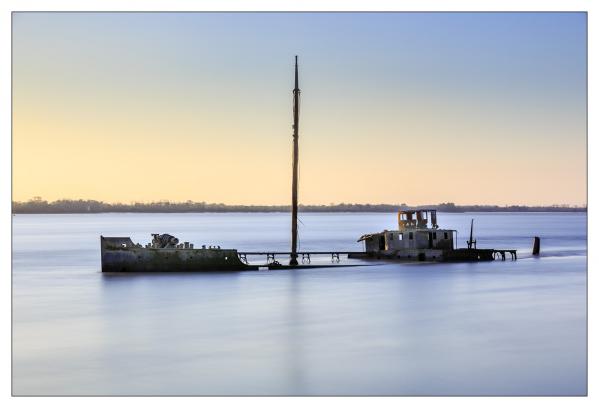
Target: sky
(417, 108)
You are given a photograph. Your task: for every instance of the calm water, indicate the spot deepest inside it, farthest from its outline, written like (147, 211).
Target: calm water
(402, 329)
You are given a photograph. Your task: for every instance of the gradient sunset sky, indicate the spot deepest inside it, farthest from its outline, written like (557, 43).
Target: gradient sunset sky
(417, 108)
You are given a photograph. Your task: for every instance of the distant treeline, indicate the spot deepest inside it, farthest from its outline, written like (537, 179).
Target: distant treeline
(39, 206)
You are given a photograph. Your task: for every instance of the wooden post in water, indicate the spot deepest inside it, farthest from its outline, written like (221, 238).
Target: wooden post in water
(296, 94)
(536, 247)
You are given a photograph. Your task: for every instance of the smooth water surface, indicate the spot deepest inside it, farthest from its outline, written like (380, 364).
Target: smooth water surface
(496, 328)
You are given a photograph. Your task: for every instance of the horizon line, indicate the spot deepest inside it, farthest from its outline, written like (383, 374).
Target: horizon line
(332, 204)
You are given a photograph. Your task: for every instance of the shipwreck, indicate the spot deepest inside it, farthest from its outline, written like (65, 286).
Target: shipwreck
(418, 238)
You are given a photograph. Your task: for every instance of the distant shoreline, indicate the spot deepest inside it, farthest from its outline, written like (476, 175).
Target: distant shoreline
(39, 206)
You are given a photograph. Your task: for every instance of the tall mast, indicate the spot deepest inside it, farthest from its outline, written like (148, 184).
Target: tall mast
(296, 94)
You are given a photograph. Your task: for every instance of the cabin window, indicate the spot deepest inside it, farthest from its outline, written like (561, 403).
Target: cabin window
(400, 236)
(434, 235)
(411, 235)
(445, 235)
(390, 237)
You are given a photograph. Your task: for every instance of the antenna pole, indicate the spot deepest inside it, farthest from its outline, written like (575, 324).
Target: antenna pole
(296, 95)
(471, 241)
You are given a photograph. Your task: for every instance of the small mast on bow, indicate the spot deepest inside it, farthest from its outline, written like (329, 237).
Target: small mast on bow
(296, 95)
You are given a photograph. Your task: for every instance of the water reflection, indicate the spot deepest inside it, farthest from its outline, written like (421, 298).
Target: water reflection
(516, 328)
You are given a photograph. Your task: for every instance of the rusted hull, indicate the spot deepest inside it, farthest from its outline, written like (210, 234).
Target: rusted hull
(119, 258)
(469, 255)
(432, 255)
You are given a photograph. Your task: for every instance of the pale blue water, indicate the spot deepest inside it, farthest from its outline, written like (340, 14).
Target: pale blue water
(498, 328)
